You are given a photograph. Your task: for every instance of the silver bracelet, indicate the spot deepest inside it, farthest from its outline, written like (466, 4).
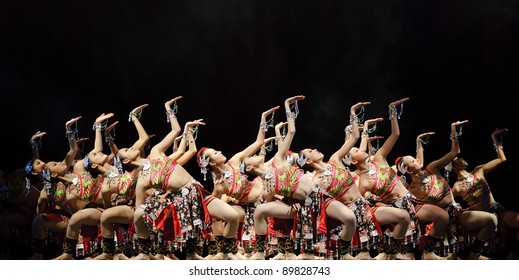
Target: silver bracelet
(97, 126)
(419, 144)
(71, 135)
(34, 145)
(353, 118)
(291, 115)
(170, 113)
(454, 136)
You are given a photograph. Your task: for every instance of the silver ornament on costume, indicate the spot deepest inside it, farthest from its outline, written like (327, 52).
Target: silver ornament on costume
(308, 201)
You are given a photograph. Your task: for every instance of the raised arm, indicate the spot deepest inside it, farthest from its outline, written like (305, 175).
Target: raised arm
(35, 140)
(497, 138)
(280, 135)
(176, 142)
(254, 147)
(372, 150)
(390, 142)
(184, 156)
(420, 143)
(160, 148)
(353, 137)
(365, 132)
(99, 126)
(70, 157)
(291, 127)
(438, 165)
(179, 147)
(263, 149)
(81, 146)
(134, 117)
(110, 138)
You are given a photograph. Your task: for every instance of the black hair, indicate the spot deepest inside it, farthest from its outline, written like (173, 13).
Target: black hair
(250, 175)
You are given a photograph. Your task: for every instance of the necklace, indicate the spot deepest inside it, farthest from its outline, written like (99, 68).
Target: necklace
(371, 172)
(423, 181)
(267, 175)
(324, 175)
(144, 168)
(423, 178)
(219, 178)
(268, 184)
(467, 181)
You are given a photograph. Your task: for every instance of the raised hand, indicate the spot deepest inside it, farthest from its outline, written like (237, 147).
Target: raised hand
(103, 117)
(72, 121)
(293, 99)
(168, 103)
(398, 102)
(38, 135)
(358, 106)
(111, 127)
(424, 135)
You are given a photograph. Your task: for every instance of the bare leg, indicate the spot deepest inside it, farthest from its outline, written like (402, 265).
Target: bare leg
(90, 217)
(393, 215)
(231, 220)
(342, 213)
(142, 232)
(429, 213)
(275, 209)
(483, 224)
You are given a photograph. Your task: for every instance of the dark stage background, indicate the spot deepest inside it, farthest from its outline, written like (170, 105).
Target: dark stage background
(231, 60)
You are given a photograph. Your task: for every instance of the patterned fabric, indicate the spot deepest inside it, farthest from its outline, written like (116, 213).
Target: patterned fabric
(57, 194)
(108, 245)
(430, 243)
(343, 247)
(161, 169)
(156, 208)
(212, 248)
(247, 231)
(191, 210)
(435, 188)
(261, 240)
(367, 231)
(384, 179)
(285, 180)
(123, 237)
(453, 238)
(239, 186)
(312, 212)
(478, 190)
(88, 188)
(125, 188)
(143, 246)
(189, 213)
(340, 180)
(69, 245)
(413, 230)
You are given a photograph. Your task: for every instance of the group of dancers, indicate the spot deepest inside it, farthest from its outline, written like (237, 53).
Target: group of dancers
(140, 202)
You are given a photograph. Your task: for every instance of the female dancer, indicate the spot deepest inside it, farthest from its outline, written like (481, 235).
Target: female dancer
(229, 181)
(342, 185)
(90, 176)
(298, 191)
(473, 188)
(431, 188)
(165, 178)
(378, 179)
(122, 192)
(52, 211)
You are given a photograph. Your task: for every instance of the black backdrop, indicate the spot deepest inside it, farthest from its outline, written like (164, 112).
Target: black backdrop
(231, 60)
